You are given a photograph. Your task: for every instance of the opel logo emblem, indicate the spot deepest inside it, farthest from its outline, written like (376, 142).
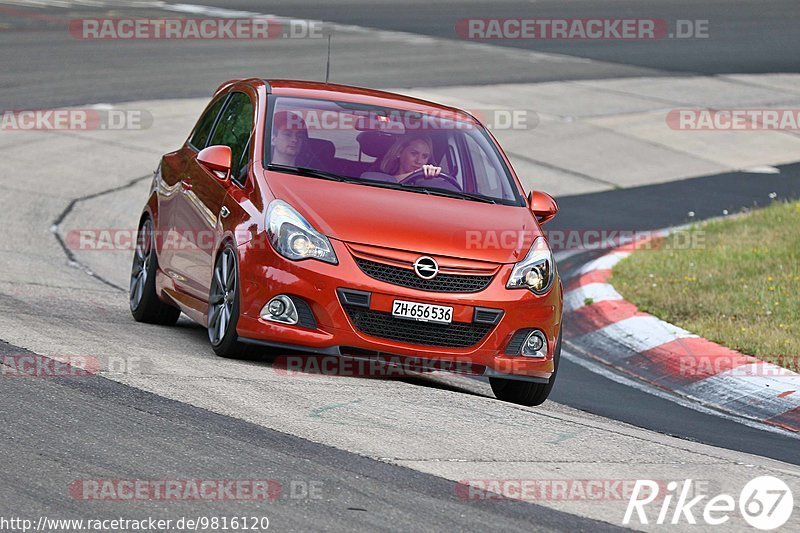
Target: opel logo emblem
(426, 267)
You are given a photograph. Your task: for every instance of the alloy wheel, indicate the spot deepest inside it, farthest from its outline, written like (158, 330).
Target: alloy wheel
(223, 293)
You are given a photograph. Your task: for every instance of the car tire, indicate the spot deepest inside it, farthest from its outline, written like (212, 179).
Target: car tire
(223, 306)
(144, 302)
(525, 392)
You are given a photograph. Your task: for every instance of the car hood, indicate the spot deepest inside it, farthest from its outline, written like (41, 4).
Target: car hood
(409, 221)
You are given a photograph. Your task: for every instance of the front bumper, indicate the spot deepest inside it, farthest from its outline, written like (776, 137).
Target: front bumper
(265, 274)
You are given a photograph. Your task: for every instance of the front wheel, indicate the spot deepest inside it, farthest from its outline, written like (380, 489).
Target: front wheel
(223, 306)
(525, 392)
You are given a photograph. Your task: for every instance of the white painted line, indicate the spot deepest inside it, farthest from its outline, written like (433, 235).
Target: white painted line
(751, 389)
(639, 333)
(211, 11)
(566, 254)
(766, 169)
(597, 292)
(692, 404)
(777, 375)
(607, 262)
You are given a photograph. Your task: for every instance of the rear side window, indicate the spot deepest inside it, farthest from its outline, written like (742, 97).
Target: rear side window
(204, 125)
(234, 128)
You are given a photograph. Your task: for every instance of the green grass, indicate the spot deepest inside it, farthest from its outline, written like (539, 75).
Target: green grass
(737, 285)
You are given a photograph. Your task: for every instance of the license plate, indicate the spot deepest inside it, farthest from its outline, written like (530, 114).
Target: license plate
(422, 312)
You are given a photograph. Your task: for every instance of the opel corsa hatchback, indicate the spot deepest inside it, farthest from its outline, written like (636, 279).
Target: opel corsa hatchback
(339, 220)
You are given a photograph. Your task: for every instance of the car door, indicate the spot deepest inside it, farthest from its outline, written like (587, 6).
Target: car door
(204, 195)
(173, 174)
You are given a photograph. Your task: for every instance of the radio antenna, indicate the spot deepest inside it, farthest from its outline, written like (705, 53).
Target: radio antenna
(328, 66)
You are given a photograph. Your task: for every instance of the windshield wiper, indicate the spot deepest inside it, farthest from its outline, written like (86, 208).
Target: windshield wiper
(305, 171)
(314, 173)
(453, 194)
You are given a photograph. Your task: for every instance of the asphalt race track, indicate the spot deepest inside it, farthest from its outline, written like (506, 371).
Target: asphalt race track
(740, 44)
(387, 454)
(167, 429)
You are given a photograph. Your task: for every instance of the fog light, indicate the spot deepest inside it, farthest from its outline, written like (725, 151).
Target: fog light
(276, 307)
(535, 345)
(280, 309)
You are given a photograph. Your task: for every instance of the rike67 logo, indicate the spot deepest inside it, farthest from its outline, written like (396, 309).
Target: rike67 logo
(765, 503)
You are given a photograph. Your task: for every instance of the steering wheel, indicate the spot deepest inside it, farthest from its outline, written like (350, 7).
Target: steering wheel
(419, 175)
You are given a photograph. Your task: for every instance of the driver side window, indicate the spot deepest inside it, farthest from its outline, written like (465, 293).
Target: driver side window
(233, 129)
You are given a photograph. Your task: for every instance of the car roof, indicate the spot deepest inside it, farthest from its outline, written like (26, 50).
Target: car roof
(350, 93)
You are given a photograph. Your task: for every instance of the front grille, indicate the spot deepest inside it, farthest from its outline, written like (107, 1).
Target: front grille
(407, 278)
(385, 326)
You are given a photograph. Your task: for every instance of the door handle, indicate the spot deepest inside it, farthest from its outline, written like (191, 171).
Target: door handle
(186, 184)
(224, 212)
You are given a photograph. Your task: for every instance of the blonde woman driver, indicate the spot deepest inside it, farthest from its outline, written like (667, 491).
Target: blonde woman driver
(408, 155)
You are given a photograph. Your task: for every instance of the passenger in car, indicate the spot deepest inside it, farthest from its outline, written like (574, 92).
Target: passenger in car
(409, 154)
(289, 138)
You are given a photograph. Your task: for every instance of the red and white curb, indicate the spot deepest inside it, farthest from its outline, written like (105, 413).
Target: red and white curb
(613, 331)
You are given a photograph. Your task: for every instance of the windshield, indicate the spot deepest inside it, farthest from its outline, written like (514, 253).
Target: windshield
(387, 147)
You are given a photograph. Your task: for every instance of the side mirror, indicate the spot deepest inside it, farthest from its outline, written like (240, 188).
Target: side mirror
(217, 159)
(542, 205)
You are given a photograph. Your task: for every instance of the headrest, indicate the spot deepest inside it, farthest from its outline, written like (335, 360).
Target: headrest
(375, 143)
(321, 148)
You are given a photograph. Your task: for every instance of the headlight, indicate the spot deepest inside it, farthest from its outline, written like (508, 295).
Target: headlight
(537, 271)
(293, 237)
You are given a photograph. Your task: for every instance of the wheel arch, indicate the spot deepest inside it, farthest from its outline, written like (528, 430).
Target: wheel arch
(151, 210)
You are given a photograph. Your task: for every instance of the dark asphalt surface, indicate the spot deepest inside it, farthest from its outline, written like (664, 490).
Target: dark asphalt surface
(588, 391)
(743, 36)
(98, 428)
(92, 428)
(669, 204)
(37, 45)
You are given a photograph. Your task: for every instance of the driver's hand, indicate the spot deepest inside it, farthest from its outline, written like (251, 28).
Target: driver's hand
(431, 171)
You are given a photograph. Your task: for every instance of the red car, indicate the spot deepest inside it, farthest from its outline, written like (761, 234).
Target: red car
(340, 220)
